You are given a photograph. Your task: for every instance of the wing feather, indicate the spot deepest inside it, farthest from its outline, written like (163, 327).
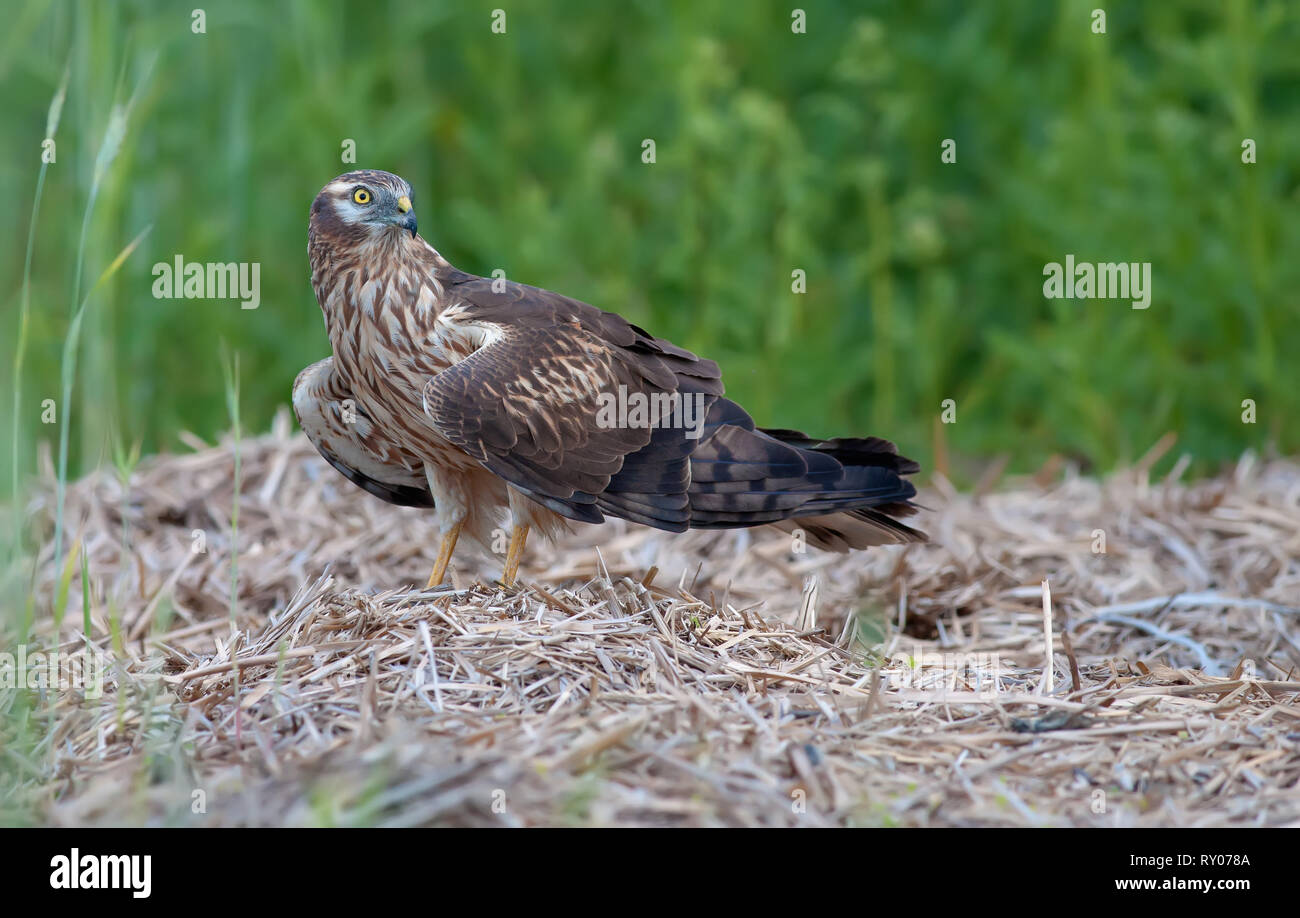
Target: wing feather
(532, 404)
(352, 444)
(528, 406)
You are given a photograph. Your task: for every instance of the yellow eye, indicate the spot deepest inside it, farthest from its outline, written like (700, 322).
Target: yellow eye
(361, 196)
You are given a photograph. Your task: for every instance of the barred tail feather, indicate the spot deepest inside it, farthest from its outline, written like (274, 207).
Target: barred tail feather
(844, 493)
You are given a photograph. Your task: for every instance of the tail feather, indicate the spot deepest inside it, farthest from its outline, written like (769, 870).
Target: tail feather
(844, 493)
(871, 451)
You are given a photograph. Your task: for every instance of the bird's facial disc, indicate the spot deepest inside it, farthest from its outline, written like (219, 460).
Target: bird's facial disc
(375, 205)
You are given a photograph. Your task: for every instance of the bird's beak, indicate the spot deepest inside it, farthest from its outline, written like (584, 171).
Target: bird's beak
(408, 215)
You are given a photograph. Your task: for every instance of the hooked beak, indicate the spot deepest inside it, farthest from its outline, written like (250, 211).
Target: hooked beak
(407, 220)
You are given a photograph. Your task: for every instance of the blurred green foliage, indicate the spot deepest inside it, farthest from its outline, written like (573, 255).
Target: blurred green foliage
(775, 151)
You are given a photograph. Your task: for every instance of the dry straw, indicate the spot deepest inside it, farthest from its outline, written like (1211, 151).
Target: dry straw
(707, 679)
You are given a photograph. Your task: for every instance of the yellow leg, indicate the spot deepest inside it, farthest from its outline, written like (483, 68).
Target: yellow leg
(518, 536)
(444, 555)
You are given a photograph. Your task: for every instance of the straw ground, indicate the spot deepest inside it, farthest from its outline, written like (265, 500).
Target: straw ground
(638, 678)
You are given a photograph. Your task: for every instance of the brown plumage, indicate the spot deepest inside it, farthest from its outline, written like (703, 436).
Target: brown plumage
(474, 395)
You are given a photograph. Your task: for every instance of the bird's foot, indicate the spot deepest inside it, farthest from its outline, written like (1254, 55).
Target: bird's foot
(518, 536)
(444, 555)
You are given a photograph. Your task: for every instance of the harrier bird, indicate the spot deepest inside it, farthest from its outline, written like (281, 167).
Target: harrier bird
(471, 395)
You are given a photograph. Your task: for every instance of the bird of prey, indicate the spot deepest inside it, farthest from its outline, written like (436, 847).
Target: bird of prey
(473, 396)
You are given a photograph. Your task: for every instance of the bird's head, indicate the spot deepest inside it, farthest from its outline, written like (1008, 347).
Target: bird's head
(369, 201)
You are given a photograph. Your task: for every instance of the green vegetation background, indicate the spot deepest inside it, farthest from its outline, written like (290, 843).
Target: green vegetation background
(775, 152)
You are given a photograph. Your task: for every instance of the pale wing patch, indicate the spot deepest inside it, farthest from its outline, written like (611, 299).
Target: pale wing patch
(458, 336)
